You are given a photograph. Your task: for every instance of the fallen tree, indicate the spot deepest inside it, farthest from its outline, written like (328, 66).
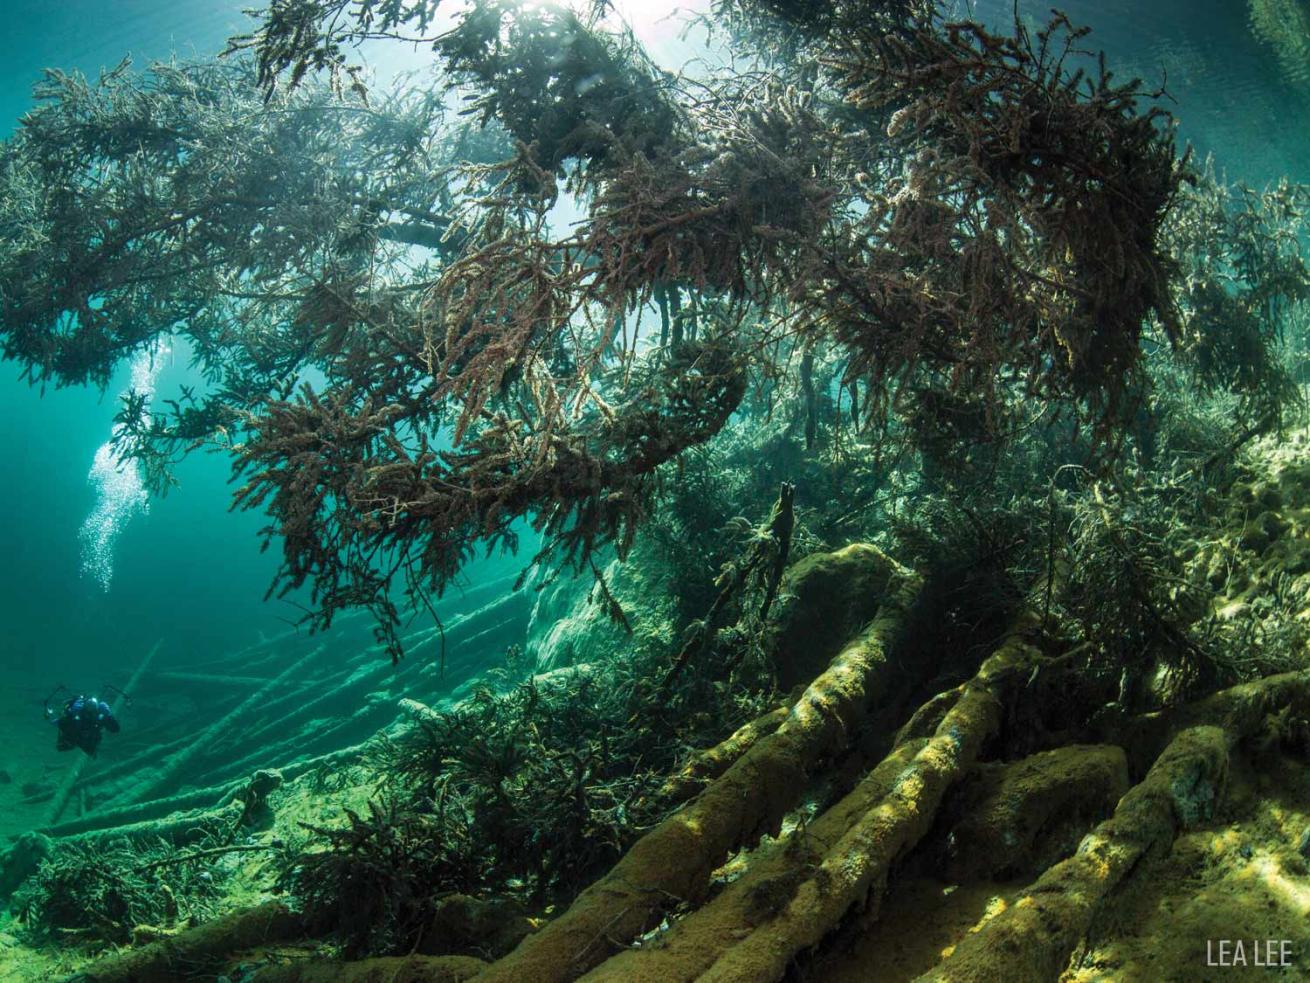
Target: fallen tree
(853, 871)
(194, 951)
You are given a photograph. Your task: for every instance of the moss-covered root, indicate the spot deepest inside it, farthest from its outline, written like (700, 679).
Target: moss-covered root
(854, 872)
(191, 952)
(1009, 812)
(923, 724)
(674, 861)
(713, 762)
(696, 941)
(1034, 938)
(1241, 711)
(389, 969)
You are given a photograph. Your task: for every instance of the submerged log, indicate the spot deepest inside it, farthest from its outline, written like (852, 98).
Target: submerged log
(176, 764)
(490, 628)
(201, 798)
(211, 679)
(854, 872)
(793, 891)
(127, 766)
(66, 787)
(357, 727)
(192, 952)
(276, 737)
(694, 942)
(179, 829)
(331, 697)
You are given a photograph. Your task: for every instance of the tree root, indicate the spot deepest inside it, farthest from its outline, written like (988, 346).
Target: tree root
(923, 723)
(385, 969)
(1034, 937)
(197, 949)
(694, 942)
(674, 861)
(854, 872)
(1240, 711)
(713, 762)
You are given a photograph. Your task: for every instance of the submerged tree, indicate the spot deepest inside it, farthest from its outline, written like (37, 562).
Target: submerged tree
(407, 356)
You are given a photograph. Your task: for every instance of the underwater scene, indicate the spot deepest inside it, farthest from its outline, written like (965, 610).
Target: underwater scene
(647, 491)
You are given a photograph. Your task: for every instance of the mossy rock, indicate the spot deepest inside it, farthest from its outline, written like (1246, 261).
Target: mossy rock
(826, 599)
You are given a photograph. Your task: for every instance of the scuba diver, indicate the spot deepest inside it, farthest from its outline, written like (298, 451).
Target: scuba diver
(80, 722)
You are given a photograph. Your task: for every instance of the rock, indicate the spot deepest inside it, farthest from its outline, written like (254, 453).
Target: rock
(570, 624)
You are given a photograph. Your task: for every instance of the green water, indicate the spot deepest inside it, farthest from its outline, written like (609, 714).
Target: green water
(189, 571)
(186, 572)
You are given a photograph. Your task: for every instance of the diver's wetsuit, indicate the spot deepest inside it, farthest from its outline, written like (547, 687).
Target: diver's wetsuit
(81, 722)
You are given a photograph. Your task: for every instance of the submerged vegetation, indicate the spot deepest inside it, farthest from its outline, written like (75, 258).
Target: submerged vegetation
(121, 893)
(407, 358)
(909, 403)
